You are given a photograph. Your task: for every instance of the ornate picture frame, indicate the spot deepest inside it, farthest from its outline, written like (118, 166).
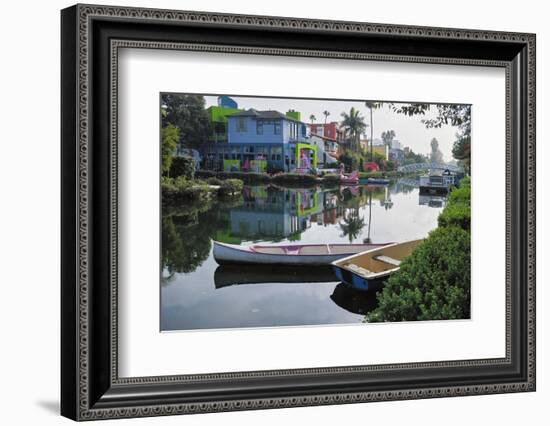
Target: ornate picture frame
(91, 386)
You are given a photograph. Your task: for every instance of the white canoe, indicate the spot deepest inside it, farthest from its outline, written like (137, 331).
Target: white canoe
(288, 254)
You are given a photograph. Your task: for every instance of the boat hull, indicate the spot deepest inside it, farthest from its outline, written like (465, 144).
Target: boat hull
(228, 254)
(358, 282)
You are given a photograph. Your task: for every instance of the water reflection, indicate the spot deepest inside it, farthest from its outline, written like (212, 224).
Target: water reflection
(196, 293)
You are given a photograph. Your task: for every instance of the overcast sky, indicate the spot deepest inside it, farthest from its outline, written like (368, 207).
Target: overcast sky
(409, 130)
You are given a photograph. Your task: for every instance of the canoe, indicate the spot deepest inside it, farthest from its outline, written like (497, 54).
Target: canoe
(369, 269)
(288, 254)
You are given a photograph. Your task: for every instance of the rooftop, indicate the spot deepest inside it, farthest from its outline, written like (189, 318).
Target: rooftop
(269, 114)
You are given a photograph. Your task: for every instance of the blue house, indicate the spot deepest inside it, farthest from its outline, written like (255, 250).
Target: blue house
(257, 140)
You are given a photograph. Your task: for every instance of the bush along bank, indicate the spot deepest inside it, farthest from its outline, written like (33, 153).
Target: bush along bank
(434, 282)
(183, 189)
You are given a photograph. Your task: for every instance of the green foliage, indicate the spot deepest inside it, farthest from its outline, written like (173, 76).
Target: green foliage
(458, 209)
(410, 157)
(433, 283)
(247, 177)
(462, 150)
(295, 179)
(230, 187)
(351, 160)
(182, 166)
(170, 136)
(213, 181)
(189, 115)
(183, 189)
(388, 137)
(353, 124)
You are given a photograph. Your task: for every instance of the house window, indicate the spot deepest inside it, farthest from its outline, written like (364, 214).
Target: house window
(259, 127)
(277, 128)
(241, 124)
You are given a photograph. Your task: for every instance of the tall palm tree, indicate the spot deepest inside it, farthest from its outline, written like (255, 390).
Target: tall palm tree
(371, 106)
(312, 118)
(354, 124)
(326, 114)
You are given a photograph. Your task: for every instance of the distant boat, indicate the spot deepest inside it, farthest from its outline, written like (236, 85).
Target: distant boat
(288, 254)
(367, 270)
(351, 179)
(377, 181)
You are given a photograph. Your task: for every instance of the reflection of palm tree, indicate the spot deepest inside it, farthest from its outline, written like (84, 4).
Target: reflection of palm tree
(326, 114)
(312, 118)
(352, 224)
(368, 240)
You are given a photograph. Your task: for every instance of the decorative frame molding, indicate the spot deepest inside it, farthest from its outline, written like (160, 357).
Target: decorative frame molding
(91, 37)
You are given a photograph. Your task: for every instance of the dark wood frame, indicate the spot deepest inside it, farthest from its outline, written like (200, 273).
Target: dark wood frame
(90, 386)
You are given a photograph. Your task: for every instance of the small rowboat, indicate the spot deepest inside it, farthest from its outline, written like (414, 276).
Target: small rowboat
(295, 254)
(378, 181)
(367, 270)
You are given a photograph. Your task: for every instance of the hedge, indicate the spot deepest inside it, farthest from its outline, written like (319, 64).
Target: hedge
(182, 166)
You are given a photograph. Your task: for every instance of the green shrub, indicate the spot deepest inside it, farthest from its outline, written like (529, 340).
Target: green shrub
(248, 177)
(213, 181)
(183, 189)
(431, 284)
(457, 212)
(230, 187)
(351, 160)
(182, 166)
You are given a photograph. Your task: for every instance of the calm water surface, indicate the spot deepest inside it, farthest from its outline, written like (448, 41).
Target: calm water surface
(196, 293)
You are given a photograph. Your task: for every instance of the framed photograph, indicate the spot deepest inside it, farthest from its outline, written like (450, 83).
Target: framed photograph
(263, 212)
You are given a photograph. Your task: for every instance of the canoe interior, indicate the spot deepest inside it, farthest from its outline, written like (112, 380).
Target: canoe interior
(319, 249)
(378, 260)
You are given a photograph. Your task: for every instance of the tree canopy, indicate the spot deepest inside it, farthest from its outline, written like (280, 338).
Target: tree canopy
(388, 137)
(353, 124)
(188, 114)
(457, 115)
(436, 156)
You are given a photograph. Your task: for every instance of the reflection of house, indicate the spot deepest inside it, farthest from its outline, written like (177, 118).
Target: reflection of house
(256, 140)
(276, 214)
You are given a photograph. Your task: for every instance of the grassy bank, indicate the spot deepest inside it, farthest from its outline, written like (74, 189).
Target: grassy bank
(434, 282)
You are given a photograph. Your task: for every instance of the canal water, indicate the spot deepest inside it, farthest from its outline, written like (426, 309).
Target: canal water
(196, 293)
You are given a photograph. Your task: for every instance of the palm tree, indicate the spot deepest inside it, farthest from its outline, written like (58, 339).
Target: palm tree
(312, 118)
(326, 114)
(371, 106)
(354, 124)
